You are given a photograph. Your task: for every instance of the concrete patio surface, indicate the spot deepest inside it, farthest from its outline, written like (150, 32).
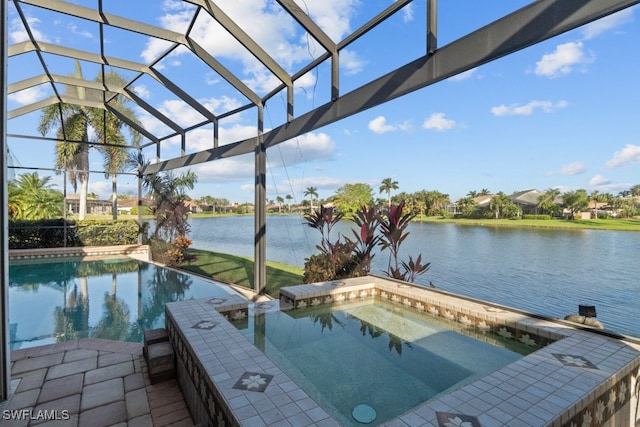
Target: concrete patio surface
(89, 382)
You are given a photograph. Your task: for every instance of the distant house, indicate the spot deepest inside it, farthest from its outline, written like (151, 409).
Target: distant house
(483, 202)
(527, 200)
(125, 206)
(94, 206)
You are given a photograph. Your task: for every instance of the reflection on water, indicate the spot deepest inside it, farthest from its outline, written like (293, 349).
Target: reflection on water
(544, 271)
(111, 299)
(406, 358)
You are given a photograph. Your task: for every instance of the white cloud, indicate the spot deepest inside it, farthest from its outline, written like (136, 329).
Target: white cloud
(598, 180)
(574, 168)
(463, 76)
(351, 62)
(527, 109)
(277, 34)
(407, 13)
(180, 112)
(142, 91)
(333, 16)
(221, 105)
(305, 148)
(438, 122)
(306, 84)
(28, 96)
(73, 29)
(235, 169)
(18, 34)
(298, 185)
(629, 155)
(202, 139)
(379, 125)
(602, 25)
(562, 61)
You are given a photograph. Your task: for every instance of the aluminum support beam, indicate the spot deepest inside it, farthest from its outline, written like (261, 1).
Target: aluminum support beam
(5, 350)
(321, 37)
(432, 26)
(539, 21)
(243, 38)
(260, 214)
(91, 14)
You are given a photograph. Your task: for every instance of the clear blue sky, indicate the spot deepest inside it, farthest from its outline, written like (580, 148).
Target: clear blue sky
(562, 114)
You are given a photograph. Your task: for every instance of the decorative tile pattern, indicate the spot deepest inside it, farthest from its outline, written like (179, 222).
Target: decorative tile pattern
(573, 360)
(266, 307)
(252, 381)
(448, 419)
(216, 301)
(203, 386)
(598, 412)
(476, 324)
(205, 324)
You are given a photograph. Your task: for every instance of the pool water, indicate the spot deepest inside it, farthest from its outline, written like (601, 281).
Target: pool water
(372, 355)
(115, 299)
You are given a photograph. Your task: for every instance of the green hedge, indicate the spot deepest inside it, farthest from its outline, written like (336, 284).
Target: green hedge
(543, 217)
(50, 233)
(107, 233)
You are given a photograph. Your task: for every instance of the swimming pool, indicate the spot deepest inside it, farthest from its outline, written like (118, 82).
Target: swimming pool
(372, 358)
(118, 299)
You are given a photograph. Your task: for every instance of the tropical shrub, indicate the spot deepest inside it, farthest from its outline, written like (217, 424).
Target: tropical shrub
(107, 232)
(538, 216)
(44, 233)
(174, 253)
(58, 233)
(352, 258)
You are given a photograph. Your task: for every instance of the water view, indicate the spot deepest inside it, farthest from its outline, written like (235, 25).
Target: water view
(548, 272)
(115, 299)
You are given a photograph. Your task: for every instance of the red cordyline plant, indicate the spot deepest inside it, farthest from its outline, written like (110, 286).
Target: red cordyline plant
(353, 258)
(335, 259)
(393, 228)
(366, 238)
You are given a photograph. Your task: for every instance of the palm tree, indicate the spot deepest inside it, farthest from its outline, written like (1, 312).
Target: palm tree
(280, 202)
(32, 197)
(74, 123)
(288, 197)
(597, 197)
(388, 184)
(499, 203)
(575, 201)
(313, 192)
(115, 156)
(169, 192)
(547, 201)
(15, 201)
(467, 206)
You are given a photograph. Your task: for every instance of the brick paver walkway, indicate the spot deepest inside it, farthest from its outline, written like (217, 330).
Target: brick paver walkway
(90, 382)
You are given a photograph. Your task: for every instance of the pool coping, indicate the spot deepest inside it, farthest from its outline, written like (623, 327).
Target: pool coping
(576, 376)
(140, 252)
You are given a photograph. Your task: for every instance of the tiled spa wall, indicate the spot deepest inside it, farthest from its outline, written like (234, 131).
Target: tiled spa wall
(479, 321)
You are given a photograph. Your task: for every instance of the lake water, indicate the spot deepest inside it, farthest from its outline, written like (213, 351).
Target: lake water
(548, 272)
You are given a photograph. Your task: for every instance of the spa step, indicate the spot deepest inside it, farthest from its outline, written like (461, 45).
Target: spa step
(153, 336)
(161, 362)
(159, 355)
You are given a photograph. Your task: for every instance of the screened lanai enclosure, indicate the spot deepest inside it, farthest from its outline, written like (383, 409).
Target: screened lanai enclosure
(213, 42)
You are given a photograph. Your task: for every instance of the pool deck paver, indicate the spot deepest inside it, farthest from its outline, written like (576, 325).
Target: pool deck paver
(95, 382)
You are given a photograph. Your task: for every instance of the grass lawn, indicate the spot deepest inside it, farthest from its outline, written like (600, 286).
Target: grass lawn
(239, 270)
(620, 224)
